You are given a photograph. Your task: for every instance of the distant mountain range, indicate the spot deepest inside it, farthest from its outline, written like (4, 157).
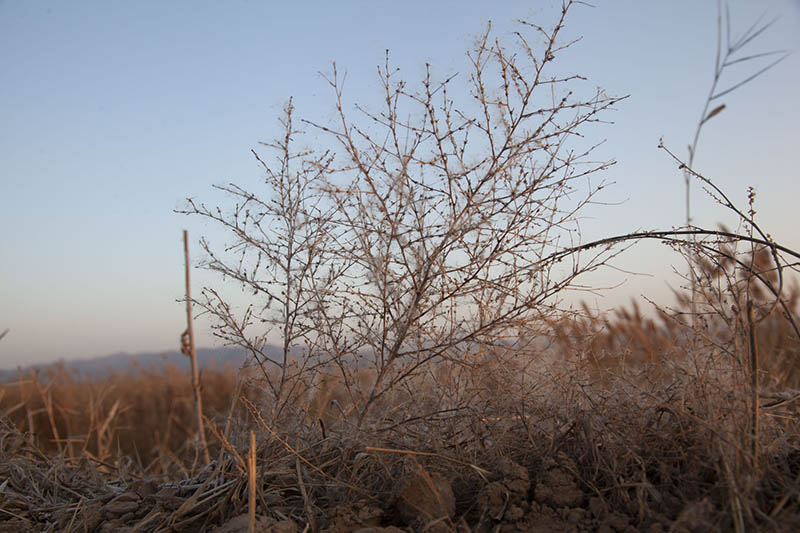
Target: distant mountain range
(123, 362)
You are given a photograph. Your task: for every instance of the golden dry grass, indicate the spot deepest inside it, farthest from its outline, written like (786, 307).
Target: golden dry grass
(650, 440)
(144, 416)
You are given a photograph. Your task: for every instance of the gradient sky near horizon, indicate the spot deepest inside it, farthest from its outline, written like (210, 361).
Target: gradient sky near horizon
(112, 113)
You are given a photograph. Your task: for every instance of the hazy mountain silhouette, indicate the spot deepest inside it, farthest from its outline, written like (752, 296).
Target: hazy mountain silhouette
(124, 362)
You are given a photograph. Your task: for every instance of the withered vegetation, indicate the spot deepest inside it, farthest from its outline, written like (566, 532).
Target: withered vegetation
(430, 378)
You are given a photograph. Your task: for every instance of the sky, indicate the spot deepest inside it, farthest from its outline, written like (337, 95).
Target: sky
(112, 113)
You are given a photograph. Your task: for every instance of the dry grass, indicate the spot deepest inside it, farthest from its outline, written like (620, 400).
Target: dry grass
(507, 441)
(144, 416)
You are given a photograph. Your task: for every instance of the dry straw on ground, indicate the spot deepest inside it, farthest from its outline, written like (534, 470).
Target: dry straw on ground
(558, 449)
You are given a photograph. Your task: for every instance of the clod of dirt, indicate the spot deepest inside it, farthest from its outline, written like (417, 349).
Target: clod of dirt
(507, 499)
(493, 500)
(502, 504)
(544, 519)
(360, 516)
(576, 516)
(559, 489)
(597, 507)
(241, 524)
(614, 522)
(515, 477)
(426, 497)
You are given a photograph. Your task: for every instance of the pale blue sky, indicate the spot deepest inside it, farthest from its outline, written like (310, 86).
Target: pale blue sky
(112, 112)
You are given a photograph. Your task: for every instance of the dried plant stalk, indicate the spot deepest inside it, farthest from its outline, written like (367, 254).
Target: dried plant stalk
(192, 353)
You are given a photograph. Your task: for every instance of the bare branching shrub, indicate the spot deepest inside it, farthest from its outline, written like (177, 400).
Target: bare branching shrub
(280, 254)
(427, 232)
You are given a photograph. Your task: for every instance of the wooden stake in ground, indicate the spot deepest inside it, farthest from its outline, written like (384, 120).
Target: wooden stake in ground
(189, 349)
